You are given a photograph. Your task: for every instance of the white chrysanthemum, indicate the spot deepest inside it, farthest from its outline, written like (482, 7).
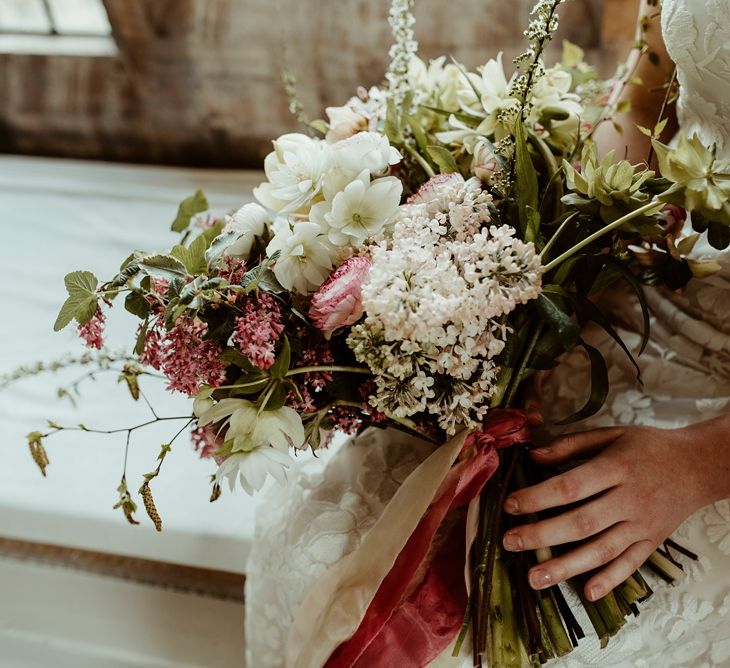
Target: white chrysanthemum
(294, 171)
(365, 150)
(435, 301)
(245, 225)
(305, 256)
(362, 209)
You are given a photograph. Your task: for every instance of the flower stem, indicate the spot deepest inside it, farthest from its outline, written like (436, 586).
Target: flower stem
(597, 235)
(420, 160)
(556, 236)
(313, 369)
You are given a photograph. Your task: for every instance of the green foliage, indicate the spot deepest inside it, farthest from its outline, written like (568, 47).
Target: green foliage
(82, 300)
(189, 207)
(558, 320)
(160, 265)
(136, 304)
(599, 386)
(526, 187)
(443, 159)
(282, 362)
(193, 255)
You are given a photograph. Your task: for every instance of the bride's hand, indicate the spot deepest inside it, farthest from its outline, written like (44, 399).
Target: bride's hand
(637, 485)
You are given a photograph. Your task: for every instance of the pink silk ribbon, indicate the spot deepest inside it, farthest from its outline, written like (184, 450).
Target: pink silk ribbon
(419, 606)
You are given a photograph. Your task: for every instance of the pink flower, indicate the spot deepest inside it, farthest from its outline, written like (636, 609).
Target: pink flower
(338, 302)
(93, 331)
(205, 441)
(183, 355)
(674, 218)
(439, 187)
(258, 330)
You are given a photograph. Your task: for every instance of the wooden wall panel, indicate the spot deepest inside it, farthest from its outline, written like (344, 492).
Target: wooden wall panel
(197, 81)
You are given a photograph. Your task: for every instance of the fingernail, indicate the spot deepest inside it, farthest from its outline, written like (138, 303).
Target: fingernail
(511, 505)
(539, 579)
(512, 541)
(540, 451)
(595, 592)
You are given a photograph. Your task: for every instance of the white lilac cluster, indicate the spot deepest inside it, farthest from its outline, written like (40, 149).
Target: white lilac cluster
(329, 196)
(435, 300)
(404, 48)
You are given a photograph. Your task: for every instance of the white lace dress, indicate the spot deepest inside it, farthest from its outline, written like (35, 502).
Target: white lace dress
(331, 503)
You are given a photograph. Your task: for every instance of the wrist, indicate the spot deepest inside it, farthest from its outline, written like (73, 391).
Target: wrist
(708, 455)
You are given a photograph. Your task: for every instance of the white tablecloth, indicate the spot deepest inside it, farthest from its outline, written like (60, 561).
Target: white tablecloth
(57, 216)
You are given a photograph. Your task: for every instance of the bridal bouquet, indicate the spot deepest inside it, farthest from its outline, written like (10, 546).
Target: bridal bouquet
(412, 262)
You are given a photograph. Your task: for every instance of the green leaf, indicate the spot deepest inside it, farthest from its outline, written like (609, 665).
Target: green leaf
(443, 159)
(392, 127)
(277, 398)
(82, 301)
(592, 313)
(282, 362)
(599, 386)
(566, 327)
(219, 244)
(139, 343)
(526, 186)
(162, 266)
(718, 235)
(193, 255)
(639, 291)
(320, 126)
(418, 133)
(189, 207)
(136, 304)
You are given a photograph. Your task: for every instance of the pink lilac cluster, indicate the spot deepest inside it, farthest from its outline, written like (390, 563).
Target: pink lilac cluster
(182, 355)
(258, 330)
(205, 441)
(233, 270)
(315, 353)
(92, 332)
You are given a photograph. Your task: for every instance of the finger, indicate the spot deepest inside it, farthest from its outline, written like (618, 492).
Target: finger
(618, 570)
(583, 522)
(577, 445)
(602, 550)
(533, 401)
(584, 481)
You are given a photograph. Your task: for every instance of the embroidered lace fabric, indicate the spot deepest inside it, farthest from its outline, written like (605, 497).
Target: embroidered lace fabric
(331, 503)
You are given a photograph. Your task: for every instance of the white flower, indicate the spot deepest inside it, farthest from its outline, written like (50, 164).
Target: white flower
(294, 171)
(247, 223)
(435, 300)
(345, 122)
(485, 165)
(305, 259)
(258, 441)
(251, 468)
(365, 150)
(361, 210)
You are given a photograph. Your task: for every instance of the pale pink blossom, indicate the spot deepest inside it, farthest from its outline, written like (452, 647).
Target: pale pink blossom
(93, 331)
(439, 187)
(258, 330)
(338, 302)
(187, 360)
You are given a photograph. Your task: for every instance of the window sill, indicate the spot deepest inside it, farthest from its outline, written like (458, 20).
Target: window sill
(58, 45)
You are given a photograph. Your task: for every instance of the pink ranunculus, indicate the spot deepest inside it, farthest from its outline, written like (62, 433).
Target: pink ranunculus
(338, 302)
(674, 218)
(436, 188)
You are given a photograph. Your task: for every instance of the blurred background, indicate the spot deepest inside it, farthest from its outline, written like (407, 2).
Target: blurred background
(112, 112)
